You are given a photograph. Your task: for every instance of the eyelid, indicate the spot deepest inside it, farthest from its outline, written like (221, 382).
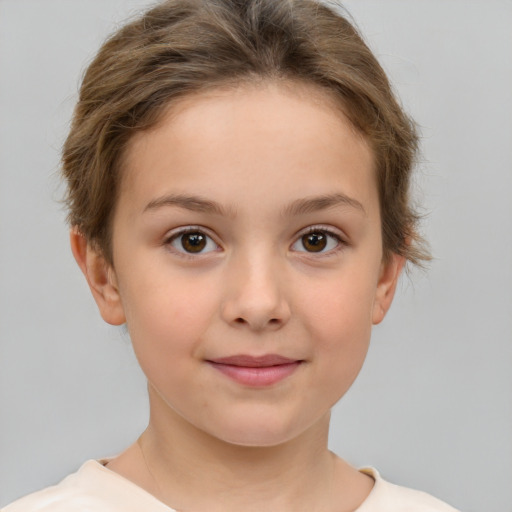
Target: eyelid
(328, 230)
(175, 233)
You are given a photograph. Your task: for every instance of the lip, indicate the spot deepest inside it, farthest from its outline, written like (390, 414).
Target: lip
(256, 371)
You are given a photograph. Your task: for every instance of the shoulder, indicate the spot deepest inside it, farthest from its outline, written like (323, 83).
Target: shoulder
(93, 488)
(388, 497)
(69, 495)
(54, 499)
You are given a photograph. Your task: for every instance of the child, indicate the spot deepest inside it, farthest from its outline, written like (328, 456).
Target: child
(238, 175)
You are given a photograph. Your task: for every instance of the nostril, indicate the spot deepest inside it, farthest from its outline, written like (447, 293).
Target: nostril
(242, 321)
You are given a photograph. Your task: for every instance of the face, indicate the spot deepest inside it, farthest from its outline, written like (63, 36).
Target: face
(247, 258)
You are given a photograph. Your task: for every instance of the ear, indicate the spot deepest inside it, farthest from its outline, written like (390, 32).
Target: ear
(100, 277)
(388, 279)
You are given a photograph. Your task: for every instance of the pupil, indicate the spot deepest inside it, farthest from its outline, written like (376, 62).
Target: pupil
(193, 242)
(314, 242)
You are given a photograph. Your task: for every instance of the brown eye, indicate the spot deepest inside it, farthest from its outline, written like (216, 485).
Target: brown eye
(321, 241)
(314, 242)
(193, 242)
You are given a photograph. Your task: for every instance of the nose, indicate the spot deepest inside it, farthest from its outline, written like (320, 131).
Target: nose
(255, 295)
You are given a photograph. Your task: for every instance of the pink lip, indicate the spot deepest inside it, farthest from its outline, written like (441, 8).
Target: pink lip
(256, 371)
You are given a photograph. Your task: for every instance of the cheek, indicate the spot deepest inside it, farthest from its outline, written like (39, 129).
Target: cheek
(166, 318)
(340, 353)
(339, 321)
(338, 309)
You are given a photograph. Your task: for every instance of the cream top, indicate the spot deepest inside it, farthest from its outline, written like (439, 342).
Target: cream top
(95, 488)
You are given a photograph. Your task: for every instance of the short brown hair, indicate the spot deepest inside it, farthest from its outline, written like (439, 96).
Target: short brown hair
(181, 47)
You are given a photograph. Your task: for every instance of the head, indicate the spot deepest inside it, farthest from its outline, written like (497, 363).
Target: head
(238, 186)
(184, 47)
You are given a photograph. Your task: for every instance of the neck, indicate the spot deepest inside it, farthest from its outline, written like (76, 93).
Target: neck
(188, 469)
(182, 459)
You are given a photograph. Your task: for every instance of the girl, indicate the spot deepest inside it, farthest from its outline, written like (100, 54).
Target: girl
(238, 176)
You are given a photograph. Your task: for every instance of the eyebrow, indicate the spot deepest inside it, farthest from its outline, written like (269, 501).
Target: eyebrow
(317, 203)
(193, 203)
(297, 207)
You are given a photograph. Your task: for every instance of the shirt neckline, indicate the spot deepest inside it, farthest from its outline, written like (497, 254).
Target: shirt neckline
(123, 484)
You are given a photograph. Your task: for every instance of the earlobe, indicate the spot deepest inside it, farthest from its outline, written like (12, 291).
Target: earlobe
(388, 279)
(100, 277)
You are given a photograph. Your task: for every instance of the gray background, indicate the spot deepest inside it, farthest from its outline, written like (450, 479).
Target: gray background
(432, 408)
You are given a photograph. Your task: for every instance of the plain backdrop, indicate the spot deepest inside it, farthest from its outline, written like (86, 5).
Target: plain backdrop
(432, 407)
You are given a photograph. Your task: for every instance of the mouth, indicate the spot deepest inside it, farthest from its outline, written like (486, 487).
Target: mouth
(259, 371)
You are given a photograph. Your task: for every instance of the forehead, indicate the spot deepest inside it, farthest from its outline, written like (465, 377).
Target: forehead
(273, 132)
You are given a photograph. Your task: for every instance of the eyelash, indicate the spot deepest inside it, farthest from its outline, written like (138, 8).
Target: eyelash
(340, 241)
(176, 235)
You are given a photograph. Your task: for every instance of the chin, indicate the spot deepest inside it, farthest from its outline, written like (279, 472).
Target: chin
(257, 439)
(261, 431)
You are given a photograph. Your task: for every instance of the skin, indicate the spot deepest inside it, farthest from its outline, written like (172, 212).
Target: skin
(263, 155)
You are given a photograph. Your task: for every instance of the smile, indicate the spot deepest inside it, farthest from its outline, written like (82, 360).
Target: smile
(256, 371)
